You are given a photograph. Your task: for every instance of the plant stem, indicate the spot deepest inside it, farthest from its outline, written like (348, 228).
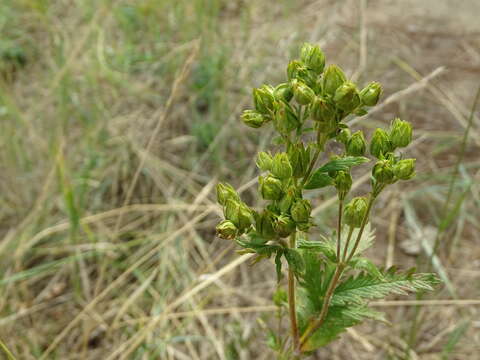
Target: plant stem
(291, 299)
(345, 248)
(314, 325)
(339, 227)
(362, 227)
(318, 150)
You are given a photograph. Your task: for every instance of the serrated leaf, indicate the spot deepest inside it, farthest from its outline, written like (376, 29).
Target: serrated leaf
(363, 264)
(327, 248)
(338, 319)
(265, 250)
(343, 164)
(278, 265)
(361, 288)
(295, 261)
(367, 240)
(318, 180)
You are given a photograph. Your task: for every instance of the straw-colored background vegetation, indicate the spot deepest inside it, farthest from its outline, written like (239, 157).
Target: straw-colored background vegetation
(117, 118)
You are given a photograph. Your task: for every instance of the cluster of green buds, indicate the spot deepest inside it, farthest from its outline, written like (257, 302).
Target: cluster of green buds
(309, 109)
(314, 98)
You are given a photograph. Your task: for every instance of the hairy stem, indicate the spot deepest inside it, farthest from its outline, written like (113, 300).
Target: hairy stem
(345, 248)
(291, 299)
(339, 228)
(362, 227)
(314, 325)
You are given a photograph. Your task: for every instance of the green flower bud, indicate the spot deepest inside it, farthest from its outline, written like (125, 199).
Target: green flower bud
(324, 115)
(281, 167)
(356, 145)
(299, 159)
(253, 118)
(380, 144)
(226, 230)
(270, 187)
(264, 161)
(332, 79)
(302, 93)
(285, 119)
(383, 172)
(239, 214)
(283, 92)
(308, 77)
(287, 200)
(293, 69)
(347, 97)
(344, 135)
(284, 226)
(313, 58)
(264, 224)
(226, 192)
(355, 211)
(400, 133)
(264, 99)
(343, 183)
(301, 210)
(404, 169)
(371, 93)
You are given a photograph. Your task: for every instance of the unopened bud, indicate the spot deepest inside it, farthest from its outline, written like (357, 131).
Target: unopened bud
(264, 224)
(371, 93)
(343, 183)
(332, 79)
(253, 118)
(380, 144)
(344, 135)
(281, 167)
(226, 230)
(264, 99)
(313, 58)
(404, 169)
(383, 172)
(239, 214)
(285, 119)
(264, 161)
(226, 192)
(400, 133)
(324, 115)
(302, 93)
(293, 69)
(356, 145)
(301, 210)
(299, 159)
(287, 200)
(283, 92)
(270, 187)
(284, 226)
(346, 97)
(355, 211)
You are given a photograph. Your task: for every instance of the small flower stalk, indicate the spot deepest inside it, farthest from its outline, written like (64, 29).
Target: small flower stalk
(310, 109)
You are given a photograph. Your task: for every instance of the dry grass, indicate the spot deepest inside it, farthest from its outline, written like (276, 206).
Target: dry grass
(125, 114)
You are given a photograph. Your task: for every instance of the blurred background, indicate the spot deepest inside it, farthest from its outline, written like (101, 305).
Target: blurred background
(117, 119)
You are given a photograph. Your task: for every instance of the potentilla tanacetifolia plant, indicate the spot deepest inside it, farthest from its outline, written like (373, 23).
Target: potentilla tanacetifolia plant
(329, 282)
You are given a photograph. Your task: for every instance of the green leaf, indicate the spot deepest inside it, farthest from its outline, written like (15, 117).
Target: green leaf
(295, 261)
(367, 240)
(318, 180)
(326, 247)
(359, 289)
(338, 319)
(278, 265)
(265, 250)
(361, 263)
(342, 164)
